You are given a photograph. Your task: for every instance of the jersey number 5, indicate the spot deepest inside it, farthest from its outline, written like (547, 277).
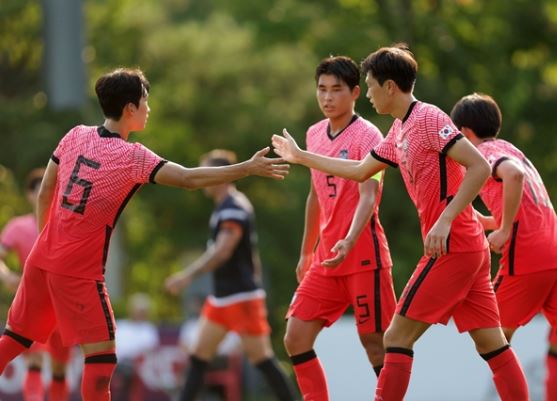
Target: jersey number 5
(331, 184)
(75, 180)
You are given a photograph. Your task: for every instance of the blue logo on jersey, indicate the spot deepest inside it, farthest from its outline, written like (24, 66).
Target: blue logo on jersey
(343, 154)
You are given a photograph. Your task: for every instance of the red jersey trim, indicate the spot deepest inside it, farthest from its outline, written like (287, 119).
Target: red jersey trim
(383, 160)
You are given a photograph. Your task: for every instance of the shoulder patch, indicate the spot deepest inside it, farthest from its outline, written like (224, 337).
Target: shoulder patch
(446, 131)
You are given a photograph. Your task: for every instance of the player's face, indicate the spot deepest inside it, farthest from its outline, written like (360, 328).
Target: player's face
(141, 114)
(377, 94)
(335, 97)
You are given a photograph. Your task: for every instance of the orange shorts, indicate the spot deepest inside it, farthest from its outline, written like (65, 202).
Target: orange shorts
(243, 317)
(521, 297)
(79, 308)
(455, 285)
(326, 298)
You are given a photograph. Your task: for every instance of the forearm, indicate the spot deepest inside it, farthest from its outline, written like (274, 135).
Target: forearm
(469, 188)
(361, 218)
(311, 226)
(350, 169)
(199, 177)
(207, 262)
(512, 195)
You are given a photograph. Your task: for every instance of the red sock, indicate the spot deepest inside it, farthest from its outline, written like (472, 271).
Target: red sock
(11, 345)
(395, 375)
(507, 374)
(58, 390)
(310, 376)
(551, 377)
(33, 389)
(97, 372)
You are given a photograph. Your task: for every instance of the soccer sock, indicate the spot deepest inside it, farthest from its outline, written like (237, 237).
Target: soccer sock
(395, 375)
(507, 374)
(310, 376)
(97, 373)
(377, 369)
(11, 345)
(551, 377)
(194, 379)
(58, 390)
(33, 389)
(277, 379)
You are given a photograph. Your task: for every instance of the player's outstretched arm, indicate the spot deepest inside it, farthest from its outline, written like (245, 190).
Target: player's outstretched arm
(173, 174)
(286, 147)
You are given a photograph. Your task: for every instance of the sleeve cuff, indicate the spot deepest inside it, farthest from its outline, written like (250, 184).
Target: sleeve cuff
(494, 168)
(451, 143)
(156, 170)
(55, 159)
(383, 160)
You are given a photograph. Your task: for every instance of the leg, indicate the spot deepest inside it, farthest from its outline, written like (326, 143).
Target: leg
(507, 373)
(100, 361)
(260, 354)
(399, 340)
(373, 344)
(59, 358)
(298, 341)
(209, 337)
(33, 389)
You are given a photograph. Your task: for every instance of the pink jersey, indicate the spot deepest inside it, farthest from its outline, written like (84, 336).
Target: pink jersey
(533, 243)
(419, 144)
(338, 199)
(19, 235)
(98, 173)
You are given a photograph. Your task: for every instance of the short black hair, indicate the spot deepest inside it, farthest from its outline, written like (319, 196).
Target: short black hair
(478, 112)
(218, 157)
(396, 63)
(342, 67)
(120, 87)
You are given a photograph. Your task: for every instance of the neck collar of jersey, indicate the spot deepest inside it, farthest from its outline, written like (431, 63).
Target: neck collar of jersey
(104, 133)
(331, 137)
(412, 105)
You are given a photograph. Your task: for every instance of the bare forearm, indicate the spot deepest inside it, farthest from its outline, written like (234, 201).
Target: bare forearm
(469, 188)
(512, 195)
(311, 226)
(207, 262)
(350, 169)
(363, 213)
(199, 177)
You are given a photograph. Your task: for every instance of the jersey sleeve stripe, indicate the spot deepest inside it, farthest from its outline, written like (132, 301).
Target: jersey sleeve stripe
(494, 168)
(156, 170)
(383, 160)
(451, 143)
(55, 159)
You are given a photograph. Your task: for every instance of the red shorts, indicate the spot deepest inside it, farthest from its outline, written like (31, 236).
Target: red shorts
(552, 337)
(326, 298)
(243, 317)
(79, 308)
(455, 285)
(520, 298)
(54, 347)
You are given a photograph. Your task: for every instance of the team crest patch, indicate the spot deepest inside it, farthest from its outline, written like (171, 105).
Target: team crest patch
(343, 154)
(446, 131)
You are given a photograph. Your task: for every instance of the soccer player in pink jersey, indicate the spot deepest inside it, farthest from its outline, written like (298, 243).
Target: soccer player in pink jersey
(523, 224)
(18, 236)
(92, 174)
(443, 172)
(344, 258)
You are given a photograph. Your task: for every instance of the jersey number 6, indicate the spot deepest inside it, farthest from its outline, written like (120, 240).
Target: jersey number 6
(75, 180)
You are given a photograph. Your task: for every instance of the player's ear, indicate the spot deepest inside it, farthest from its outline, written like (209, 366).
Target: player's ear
(356, 92)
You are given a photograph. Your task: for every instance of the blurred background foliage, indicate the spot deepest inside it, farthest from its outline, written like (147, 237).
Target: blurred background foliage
(229, 73)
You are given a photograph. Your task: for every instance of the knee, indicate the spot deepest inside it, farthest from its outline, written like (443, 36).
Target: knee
(295, 343)
(396, 338)
(373, 344)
